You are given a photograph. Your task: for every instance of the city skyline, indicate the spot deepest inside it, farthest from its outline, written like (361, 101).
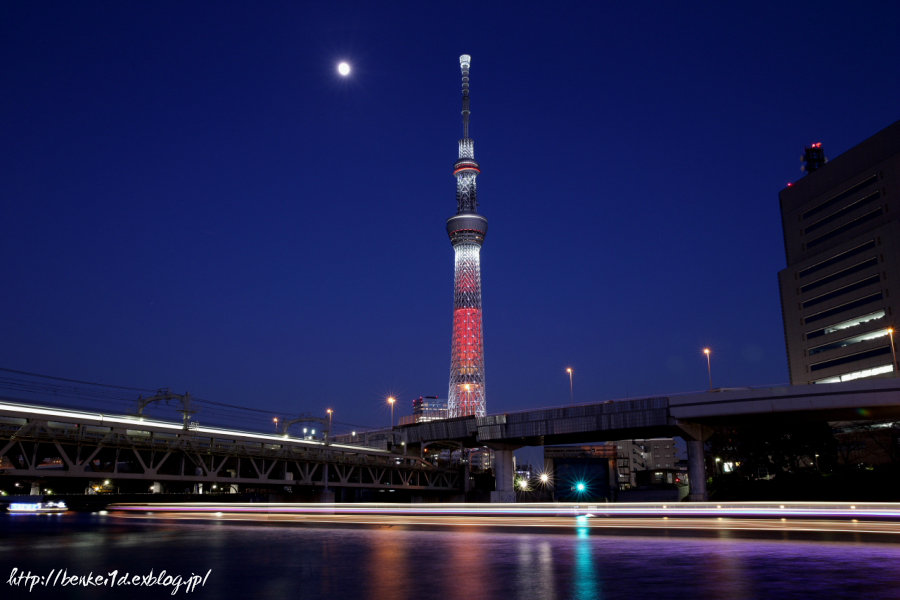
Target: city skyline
(198, 200)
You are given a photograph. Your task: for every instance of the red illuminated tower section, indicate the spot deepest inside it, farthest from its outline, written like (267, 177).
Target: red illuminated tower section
(467, 230)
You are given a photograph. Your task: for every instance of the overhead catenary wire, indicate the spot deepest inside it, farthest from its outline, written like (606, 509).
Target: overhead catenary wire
(104, 393)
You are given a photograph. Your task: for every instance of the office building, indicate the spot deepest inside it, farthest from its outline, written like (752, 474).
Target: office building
(842, 282)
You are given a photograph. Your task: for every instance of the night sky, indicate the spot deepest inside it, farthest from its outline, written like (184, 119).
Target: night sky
(194, 198)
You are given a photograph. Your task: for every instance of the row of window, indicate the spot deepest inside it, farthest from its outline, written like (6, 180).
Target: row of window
(841, 291)
(835, 199)
(844, 211)
(864, 337)
(840, 274)
(873, 316)
(851, 358)
(846, 227)
(836, 259)
(839, 309)
(858, 374)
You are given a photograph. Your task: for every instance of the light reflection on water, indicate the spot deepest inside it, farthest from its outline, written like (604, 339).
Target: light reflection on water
(267, 561)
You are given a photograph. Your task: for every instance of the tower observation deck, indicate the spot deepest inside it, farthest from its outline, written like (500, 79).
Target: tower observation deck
(467, 230)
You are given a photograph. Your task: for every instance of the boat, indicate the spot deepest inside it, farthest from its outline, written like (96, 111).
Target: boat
(37, 507)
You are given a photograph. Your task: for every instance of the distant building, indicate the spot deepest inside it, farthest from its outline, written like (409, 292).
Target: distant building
(426, 408)
(429, 408)
(480, 459)
(524, 471)
(842, 244)
(643, 455)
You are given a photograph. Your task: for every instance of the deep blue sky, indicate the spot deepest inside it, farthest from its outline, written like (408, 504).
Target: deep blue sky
(194, 198)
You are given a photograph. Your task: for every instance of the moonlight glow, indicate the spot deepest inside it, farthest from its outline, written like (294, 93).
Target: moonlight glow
(344, 69)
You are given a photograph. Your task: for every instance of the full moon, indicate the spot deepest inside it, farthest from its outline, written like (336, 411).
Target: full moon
(344, 69)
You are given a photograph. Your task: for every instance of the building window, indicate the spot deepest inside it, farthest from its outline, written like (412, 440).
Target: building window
(850, 358)
(835, 199)
(841, 291)
(836, 259)
(845, 227)
(844, 211)
(872, 335)
(848, 271)
(858, 374)
(843, 307)
(878, 314)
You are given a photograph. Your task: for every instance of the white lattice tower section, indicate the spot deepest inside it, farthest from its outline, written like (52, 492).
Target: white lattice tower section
(467, 230)
(466, 396)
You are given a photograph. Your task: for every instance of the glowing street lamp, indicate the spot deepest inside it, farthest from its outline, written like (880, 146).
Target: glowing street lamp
(890, 331)
(276, 423)
(544, 478)
(571, 387)
(706, 351)
(391, 400)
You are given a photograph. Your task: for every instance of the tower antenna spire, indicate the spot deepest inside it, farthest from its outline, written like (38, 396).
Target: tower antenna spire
(464, 61)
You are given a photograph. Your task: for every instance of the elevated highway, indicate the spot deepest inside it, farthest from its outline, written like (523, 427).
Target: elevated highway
(689, 416)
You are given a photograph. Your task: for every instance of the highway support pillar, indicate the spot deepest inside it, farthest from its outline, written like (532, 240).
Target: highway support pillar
(694, 435)
(327, 495)
(504, 474)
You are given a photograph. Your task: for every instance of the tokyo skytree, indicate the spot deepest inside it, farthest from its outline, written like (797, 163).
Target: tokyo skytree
(467, 230)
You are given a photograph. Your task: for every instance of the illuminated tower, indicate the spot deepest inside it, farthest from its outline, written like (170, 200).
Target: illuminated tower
(467, 230)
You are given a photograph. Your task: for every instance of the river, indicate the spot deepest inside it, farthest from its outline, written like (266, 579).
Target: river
(278, 561)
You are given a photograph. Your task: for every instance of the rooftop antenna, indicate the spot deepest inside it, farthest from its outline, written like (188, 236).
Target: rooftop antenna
(814, 157)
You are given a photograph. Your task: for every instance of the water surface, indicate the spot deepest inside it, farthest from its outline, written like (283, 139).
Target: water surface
(277, 561)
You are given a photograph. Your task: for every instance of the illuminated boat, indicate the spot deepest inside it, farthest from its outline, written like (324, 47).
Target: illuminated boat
(37, 507)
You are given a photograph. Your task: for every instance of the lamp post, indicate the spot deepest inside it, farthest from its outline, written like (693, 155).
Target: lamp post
(890, 331)
(276, 423)
(391, 401)
(328, 433)
(706, 351)
(571, 387)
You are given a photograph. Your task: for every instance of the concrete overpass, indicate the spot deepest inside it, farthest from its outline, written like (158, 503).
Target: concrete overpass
(689, 416)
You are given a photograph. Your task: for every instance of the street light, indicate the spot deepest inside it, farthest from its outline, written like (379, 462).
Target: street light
(706, 351)
(391, 401)
(276, 423)
(571, 387)
(890, 331)
(330, 413)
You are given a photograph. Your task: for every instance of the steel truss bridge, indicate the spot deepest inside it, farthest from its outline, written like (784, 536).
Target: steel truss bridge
(41, 442)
